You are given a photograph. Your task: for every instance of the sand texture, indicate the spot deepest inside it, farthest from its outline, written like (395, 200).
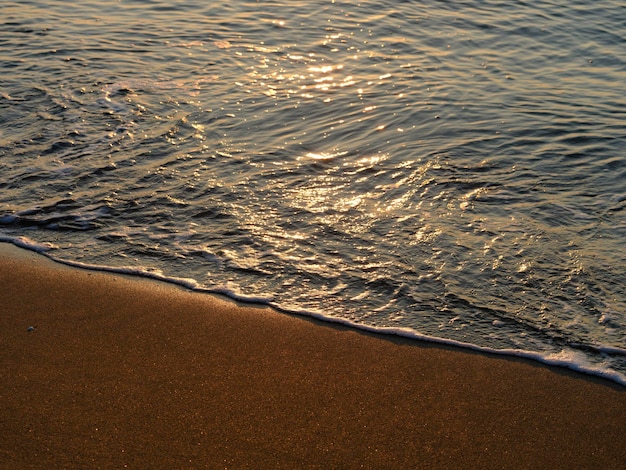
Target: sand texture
(106, 371)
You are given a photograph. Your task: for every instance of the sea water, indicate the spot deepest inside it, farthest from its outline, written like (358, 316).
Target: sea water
(445, 170)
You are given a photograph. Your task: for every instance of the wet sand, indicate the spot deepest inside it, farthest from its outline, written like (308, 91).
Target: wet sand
(103, 371)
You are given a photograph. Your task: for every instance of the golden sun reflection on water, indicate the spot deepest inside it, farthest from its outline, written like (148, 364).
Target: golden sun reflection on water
(324, 155)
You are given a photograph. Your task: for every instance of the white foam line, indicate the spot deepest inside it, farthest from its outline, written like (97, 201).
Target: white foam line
(560, 359)
(28, 244)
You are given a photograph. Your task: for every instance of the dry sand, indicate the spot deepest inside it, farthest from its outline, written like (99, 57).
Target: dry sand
(130, 372)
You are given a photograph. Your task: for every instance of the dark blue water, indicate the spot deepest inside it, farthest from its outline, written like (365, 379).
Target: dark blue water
(447, 170)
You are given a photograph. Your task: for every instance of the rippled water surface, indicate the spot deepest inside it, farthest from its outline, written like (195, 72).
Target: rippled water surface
(454, 169)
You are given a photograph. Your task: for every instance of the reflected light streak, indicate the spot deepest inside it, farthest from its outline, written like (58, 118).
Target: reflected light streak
(324, 155)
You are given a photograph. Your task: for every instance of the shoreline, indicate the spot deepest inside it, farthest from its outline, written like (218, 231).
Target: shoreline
(120, 370)
(22, 247)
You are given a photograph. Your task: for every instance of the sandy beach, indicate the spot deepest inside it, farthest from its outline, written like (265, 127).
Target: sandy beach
(108, 371)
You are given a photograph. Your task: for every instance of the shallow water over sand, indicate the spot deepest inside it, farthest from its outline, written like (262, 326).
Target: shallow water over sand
(448, 170)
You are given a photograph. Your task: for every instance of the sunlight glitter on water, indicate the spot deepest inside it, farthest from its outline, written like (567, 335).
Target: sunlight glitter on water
(435, 167)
